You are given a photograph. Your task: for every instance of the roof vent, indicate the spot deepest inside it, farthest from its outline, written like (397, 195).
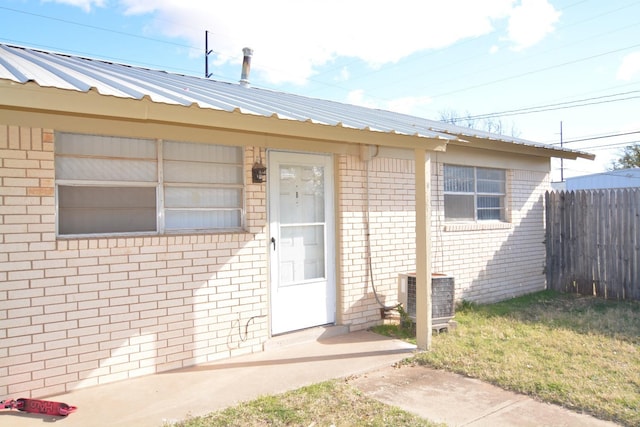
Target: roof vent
(246, 66)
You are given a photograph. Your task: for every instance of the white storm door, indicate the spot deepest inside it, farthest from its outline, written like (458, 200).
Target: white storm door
(303, 291)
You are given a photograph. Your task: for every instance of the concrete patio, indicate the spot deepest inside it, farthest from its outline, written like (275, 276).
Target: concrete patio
(296, 360)
(287, 363)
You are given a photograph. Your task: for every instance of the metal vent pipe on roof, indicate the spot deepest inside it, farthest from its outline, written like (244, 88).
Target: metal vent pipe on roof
(246, 66)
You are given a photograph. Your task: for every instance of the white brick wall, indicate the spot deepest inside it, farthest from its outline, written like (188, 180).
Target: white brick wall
(487, 264)
(495, 264)
(80, 312)
(392, 234)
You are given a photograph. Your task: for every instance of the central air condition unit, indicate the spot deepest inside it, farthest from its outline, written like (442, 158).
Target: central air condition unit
(442, 297)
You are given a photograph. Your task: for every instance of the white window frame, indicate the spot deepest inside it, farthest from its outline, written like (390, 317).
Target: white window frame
(475, 194)
(159, 184)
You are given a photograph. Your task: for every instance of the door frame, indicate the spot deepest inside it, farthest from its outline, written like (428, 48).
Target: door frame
(302, 158)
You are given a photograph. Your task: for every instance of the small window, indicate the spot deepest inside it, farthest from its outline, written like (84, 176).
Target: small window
(109, 185)
(474, 194)
(202, 186)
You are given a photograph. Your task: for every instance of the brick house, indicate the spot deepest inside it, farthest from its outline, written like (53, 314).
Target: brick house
(135, 240)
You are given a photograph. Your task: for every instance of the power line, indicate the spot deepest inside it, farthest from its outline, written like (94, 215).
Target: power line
(527, 110)
(435, 52)
(544, 108)
(606, 147)
(475, 71)
(568, 102)
(612, 135)
(94, 27)
(596, 36)
(609, 146)
(554, 107)
(562, 105)
(103, 57)
(539, 70)
(109, 30)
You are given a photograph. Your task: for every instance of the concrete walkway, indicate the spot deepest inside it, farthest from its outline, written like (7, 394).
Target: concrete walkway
(364, 357)
(455, 400)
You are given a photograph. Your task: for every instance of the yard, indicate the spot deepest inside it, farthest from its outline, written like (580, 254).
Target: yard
(325, 404)
(579, 352)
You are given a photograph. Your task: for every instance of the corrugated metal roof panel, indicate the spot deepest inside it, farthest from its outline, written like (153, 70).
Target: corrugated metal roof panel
(48, 69)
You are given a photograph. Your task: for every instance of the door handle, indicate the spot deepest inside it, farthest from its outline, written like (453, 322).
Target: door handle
(273, 242)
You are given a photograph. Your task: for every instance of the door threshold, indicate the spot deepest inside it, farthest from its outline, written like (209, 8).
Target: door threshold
(305, 335)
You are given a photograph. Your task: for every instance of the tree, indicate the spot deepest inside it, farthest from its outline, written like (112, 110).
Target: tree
(489, 124)
(630, 158)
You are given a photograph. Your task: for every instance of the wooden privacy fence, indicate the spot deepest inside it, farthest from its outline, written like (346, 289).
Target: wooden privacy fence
(592, 240)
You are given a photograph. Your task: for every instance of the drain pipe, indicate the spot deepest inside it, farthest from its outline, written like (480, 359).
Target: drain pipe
(366, 156)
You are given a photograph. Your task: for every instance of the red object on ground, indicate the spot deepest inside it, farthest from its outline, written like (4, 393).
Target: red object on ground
(36, 406)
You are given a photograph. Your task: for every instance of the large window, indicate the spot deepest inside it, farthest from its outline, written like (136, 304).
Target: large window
(472, 193)
(109, 185)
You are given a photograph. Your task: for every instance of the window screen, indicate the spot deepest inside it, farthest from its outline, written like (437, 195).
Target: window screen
(124, 185)
(472, 193)
(202, 185)
(88, 210)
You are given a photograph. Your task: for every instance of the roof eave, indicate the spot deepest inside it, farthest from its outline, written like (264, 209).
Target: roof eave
(93, 104)
(525, 147)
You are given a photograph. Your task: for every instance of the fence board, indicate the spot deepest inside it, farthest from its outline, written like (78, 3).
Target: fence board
(593, 242)
(635, 242)
(600, 202)
(626, 239)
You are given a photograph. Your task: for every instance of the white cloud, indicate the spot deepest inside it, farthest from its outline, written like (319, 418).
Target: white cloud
(406, 105)
(83, 4)
(356, 97)
(630, 67)
(293, 38)
(530, 22)
(343, 75)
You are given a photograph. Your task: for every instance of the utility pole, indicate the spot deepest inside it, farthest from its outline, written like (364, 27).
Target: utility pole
(207, 52)
(561, 160)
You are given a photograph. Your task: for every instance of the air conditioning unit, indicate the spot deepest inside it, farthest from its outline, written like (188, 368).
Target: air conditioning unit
(442, 297)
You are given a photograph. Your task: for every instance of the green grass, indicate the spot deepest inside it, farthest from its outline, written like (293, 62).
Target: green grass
(324, 404)
(579, 352)
(391, 330)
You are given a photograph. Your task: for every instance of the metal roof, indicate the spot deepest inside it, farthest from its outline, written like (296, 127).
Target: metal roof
(63, 71)
(621, 178)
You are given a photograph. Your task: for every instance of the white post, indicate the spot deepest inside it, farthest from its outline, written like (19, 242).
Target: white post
(423, 249)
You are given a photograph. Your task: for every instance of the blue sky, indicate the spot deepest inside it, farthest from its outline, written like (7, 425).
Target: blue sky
(571, 61)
